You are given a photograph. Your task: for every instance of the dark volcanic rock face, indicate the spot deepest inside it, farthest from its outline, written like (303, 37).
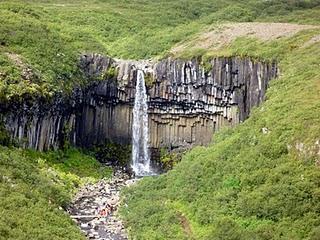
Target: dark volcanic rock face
(188, 102)
(42, 125)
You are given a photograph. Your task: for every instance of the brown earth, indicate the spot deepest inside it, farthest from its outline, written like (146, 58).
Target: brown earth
(224, 34)
(185, 225)
(26, 71)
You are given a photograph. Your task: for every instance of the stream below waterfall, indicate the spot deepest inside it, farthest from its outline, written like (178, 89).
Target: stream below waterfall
(94, 208)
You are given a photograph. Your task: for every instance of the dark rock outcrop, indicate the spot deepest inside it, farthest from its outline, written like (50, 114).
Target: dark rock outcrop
(188, 102)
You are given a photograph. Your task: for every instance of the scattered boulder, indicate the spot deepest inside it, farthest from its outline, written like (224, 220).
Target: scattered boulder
(94, 208)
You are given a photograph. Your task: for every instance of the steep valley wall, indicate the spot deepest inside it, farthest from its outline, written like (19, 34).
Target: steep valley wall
(188, 101)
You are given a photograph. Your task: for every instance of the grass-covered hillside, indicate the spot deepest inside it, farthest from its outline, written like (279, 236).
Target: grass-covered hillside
(34, 185)
(40, 40)
(260, 180)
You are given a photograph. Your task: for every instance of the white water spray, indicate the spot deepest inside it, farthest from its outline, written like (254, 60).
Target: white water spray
(140, 130)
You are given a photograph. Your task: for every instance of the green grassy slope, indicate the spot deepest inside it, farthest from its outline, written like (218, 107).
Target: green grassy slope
(48, 35)
(32, 187)
(247, 184)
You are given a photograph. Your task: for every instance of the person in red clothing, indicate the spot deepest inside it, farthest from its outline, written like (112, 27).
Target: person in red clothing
(103, 212)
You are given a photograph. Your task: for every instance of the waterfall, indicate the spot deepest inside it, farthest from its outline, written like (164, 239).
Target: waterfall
(140, 130)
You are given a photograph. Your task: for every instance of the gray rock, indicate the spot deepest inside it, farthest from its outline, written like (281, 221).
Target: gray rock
(99, 227)
(187, 103)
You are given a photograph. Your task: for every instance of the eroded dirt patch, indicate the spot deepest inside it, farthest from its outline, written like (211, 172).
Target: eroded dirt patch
(185, 226)
(26, 71)
(315, 39)
(223, 35)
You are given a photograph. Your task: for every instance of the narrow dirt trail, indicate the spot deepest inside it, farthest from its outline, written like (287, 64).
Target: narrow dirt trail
(185, 226)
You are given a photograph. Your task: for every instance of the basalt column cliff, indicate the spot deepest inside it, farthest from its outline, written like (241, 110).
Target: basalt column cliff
(187, 102)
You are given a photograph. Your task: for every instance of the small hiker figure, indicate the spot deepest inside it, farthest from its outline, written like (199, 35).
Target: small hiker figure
(103, 212)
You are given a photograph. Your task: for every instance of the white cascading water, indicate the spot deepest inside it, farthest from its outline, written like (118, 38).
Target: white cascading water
(140, 130)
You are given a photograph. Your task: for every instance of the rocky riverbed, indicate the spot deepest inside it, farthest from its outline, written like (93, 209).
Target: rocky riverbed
(95, 206)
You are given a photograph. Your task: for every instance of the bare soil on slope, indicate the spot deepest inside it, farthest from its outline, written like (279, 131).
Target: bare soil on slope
(223, 35)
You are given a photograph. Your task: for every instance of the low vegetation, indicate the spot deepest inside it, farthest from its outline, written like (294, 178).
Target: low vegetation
(113, 153)
(168, 159)
(45, 37)
(33, 186)
(246, 185)
(250, 183)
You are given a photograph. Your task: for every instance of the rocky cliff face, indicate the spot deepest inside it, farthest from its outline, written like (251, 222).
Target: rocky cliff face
(42, 125)
(188, 101)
